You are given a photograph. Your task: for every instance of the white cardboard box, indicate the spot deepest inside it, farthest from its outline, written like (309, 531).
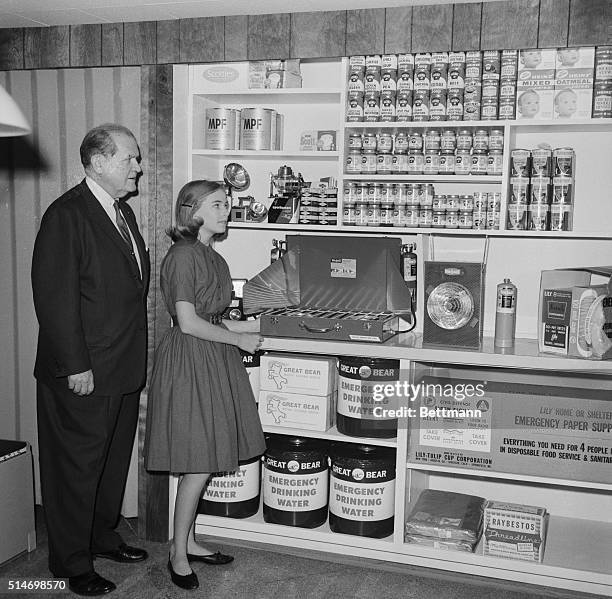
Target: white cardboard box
(535, 84)
(574, 83)
(295, 410)
(297, 373)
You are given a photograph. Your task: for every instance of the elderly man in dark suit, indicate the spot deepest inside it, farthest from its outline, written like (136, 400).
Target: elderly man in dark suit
(90, 273)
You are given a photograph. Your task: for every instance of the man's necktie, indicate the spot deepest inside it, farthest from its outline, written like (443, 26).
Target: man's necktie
(123, 228)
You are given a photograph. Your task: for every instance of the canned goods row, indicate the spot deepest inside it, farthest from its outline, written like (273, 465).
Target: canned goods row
(431, 139)
(542, 162)
(541, 190)
(602, 84)
(398, 194)
(421, 106)
(438, 78)
(539, 217)
(429, 162)
(489, 64)
(388, 215)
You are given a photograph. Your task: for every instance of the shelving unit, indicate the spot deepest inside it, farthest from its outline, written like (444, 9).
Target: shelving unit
(577, 553)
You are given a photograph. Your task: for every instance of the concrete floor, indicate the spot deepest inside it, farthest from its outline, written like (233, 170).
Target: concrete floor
(265, 572)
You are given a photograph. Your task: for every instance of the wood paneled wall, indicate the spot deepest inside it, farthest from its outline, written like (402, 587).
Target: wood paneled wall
(472, 26)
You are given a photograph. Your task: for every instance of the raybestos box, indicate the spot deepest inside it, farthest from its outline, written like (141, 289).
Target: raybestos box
(295, 410)
(514, 531)
(298, 373)
(529, 424)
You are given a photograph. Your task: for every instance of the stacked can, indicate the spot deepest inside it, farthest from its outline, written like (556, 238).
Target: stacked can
(436, 151)
(404, 87)
(414, 205)
(319, 206)
(456, 86)
(491, 68)
(479, 210)
(507, 84)
(472, 98)
(355, 89)
(387, 204)
(541, 189)
(602, 86)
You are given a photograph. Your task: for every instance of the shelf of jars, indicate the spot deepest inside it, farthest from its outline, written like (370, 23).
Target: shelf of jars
(459, 178)
(268, 153)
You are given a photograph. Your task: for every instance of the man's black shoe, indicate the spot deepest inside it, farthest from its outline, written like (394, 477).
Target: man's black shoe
(124, 554)
(90, 584)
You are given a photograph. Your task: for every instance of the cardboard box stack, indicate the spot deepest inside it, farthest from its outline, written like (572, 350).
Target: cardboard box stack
(274, 74)
(298, 391)
(514, 531)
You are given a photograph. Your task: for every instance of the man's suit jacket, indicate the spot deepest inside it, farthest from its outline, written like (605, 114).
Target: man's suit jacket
(89, 297)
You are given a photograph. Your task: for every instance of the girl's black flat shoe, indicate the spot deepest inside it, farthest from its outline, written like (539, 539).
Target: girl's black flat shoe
(187, 581)
(214, 559)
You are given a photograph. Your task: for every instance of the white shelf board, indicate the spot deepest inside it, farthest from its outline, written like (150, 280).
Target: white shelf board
(578, 123)
(577, 554)
(287, 91)
(280, 532)
(266, 153)
(432, 178)
(352, 229)
(426, 125)
(561, 482)
(331, 435)
(409, 346)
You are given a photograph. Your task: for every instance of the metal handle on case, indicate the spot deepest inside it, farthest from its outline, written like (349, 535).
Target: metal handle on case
(336, 327)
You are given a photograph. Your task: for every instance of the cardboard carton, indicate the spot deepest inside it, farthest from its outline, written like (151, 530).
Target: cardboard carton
(564, 309)
(296, 410)
(574, 83)
(296, 373)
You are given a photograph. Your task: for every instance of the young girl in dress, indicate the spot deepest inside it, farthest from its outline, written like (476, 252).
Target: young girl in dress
(201, 416)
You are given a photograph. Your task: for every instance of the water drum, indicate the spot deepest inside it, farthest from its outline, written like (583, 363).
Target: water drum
(295, 482)
(233, 494)
(362, 490)
(359, 414)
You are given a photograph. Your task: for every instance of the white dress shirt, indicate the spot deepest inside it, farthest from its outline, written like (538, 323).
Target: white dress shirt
(107, 203)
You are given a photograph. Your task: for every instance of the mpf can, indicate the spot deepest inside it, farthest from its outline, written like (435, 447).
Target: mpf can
(256, 128)
(222, 131)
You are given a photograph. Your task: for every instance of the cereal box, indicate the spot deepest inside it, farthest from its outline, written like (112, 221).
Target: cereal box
(535, 84)
(574, 83)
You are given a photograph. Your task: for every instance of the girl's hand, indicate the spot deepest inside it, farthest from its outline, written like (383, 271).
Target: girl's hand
(250, 342)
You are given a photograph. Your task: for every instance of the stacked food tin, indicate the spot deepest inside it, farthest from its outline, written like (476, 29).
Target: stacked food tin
(602, 88)
(435, 151)
(436, 86)
(416, 205)
(541, 189)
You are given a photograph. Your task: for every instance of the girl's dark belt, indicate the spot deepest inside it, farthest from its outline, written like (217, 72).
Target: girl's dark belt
(212, 318)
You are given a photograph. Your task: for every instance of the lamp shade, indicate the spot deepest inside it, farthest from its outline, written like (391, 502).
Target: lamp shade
(12, 121)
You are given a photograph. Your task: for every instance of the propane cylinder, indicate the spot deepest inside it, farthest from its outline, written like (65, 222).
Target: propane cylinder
(505, 314)
(409, 270)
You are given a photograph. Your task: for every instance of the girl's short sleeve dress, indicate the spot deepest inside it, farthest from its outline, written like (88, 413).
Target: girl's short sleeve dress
(201, 414)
